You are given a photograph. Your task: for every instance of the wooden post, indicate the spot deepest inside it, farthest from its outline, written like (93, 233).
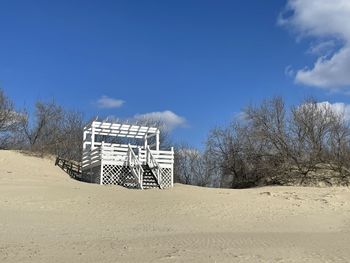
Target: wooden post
(101, 170)
(157, 140)
(139, 153)
(147, 156)
(101, 173)
(172, 169)
(146, 142)
(92, 136)
(84, 140)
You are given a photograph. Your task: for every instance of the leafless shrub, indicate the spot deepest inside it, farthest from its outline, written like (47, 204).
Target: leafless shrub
(339, 147)
(192, 167)
(53, 130)
(9, 120)
(225, 148)
(71, 130)
(182, 172)
(276, 146)
(310, 130)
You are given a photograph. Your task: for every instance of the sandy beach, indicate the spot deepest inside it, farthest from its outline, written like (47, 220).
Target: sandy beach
(45, 216)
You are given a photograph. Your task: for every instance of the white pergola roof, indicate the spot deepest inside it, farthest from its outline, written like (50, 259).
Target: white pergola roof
(120, 130)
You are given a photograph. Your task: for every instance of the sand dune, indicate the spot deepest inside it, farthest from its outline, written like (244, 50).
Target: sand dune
(47, 217)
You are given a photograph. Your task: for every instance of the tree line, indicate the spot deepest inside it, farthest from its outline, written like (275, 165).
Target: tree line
(307, 144)
(268, 144)
(50, 129)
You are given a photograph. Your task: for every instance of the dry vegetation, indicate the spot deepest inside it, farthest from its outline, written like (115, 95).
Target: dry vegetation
(308, 144)
(51, 130)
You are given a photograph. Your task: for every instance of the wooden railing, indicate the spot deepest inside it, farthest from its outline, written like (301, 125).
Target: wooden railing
(114, 153)
(91, 157)
(163, 158)
(153, 165)
(119, 154)
(73, 169)
(135, 166)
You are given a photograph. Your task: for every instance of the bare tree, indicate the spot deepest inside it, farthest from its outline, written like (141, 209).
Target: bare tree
(192, 167)
(226, 150)
(311, 126)
(164, 136)
(339, 146)
(9, 120)
(6, 112)
(43, 132)
(71, 129)
(182, 164)
(276, 146)
(267, 139)
(54, 130)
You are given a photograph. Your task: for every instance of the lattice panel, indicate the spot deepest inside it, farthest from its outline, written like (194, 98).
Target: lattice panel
(92, 175)
(118, 174)
(166, 177)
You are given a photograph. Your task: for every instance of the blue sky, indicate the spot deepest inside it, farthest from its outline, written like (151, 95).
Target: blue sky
(195, 64)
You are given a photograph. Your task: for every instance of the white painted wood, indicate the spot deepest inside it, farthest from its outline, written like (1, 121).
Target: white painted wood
(172, 169)
(145, 142)
(100, 153)
(118, 130)
(92, 138)
(157, 141)
(101, 170)
(125, 127)
(114, 144)
(84, 140)
(135, 166)
(153, 164)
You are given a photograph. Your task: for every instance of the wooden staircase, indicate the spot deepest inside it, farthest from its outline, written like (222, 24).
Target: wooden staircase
(72, 168)
(149, 180)
(145, 175)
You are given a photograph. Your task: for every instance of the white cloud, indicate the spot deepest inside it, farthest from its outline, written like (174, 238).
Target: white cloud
(328, 73)
(329, 22)
(109, 103)
(322, 48)
(168, 118)
(289, 71)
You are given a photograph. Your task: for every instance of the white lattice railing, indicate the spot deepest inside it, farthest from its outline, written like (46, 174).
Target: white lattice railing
(135, 165)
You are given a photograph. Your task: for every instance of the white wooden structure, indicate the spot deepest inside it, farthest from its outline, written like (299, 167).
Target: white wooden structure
(127, 155)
